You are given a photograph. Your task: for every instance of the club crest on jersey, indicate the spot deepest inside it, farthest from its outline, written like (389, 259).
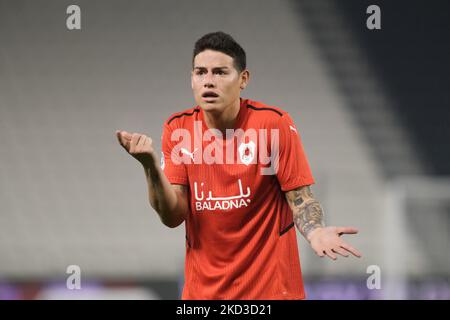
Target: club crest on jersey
(247, 152)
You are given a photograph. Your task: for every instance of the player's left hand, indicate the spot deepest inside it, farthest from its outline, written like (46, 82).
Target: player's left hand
(328, 241)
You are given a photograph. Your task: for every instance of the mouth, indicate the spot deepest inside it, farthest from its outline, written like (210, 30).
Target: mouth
(209, 95)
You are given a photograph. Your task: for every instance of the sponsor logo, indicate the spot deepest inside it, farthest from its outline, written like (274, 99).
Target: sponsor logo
(213, 203)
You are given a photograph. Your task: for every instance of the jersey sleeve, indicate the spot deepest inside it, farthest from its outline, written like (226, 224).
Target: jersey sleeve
(175, 171)
(292, 167)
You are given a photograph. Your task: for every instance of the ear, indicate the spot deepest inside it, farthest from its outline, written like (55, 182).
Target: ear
(245, 78)
(192, 79)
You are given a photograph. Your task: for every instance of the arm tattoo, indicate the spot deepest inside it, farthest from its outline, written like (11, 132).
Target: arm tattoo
(308, 213)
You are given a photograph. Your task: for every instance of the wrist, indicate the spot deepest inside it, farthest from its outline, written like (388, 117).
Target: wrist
(150, 168)
(149, 162)
(313, 232)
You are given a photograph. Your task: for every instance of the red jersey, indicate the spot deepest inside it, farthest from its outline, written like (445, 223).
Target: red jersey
(240, 236)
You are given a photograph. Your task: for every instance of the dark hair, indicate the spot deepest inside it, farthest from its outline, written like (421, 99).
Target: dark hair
(222, 42)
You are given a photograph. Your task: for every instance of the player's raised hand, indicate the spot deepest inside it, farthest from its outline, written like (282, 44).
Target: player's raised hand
(139, 146)
(327, 241)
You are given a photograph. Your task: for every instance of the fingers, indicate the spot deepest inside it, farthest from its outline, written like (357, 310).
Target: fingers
(149, 141)
(134, 141)
(330, 254)
(323, 251)
(143, 142)
(140, 142)
(341, 251)
(352, 250)
(328, 243)
(119, 137)
(124, 139)
(126, 136)
(346, 230)
(320, 253)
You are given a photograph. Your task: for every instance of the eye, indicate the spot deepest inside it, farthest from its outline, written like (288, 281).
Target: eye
(220, 72)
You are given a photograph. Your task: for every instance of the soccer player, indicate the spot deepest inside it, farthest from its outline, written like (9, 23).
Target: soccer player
(238, 208)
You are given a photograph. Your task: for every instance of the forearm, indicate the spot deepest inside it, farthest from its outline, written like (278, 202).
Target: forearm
(308, 217)
(171, 205)
(163, 198)
(307, 211)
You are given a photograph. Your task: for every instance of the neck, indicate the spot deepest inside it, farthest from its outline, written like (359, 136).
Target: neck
(225, 119)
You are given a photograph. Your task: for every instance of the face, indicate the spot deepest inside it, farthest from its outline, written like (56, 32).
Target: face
(215, 81)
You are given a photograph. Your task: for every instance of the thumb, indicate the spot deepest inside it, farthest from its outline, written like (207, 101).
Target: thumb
(126, 135)
(124, 138)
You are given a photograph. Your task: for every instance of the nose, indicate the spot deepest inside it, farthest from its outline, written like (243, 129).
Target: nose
(209, 82)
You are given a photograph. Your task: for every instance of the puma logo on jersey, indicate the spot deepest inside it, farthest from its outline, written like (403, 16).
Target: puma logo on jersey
(292, 128)
(190, 154)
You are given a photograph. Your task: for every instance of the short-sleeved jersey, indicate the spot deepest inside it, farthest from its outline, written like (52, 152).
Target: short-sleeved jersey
(240, 237)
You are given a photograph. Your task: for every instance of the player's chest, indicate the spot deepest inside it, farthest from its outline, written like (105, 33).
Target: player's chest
(226, 187)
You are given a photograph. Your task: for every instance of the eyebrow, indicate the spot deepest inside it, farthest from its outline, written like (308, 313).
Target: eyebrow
(215, 68)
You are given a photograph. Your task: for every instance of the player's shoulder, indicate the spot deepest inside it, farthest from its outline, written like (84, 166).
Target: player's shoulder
(268, 115)
(177, 119)
(264, 110)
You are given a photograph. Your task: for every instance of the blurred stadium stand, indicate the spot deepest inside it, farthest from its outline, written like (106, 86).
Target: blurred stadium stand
(372, 108)
(395, 83)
